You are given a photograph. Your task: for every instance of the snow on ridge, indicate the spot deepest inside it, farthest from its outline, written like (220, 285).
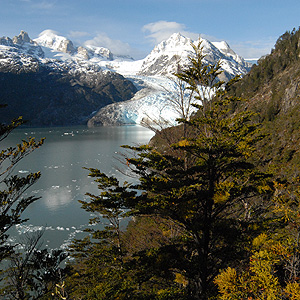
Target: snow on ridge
(149, 74)
(153, 71)
(50, 39)
(176, 43)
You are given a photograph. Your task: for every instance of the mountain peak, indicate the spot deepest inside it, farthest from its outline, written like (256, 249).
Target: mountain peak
(175, 43)
(22, 38)
(176, 36)
(223, 47)
(164, 58)
(48, 34)
(51, 39)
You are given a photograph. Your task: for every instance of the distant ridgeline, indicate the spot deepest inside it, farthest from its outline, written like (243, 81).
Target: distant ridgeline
(51, 92)
(50, 82)
(52, 98)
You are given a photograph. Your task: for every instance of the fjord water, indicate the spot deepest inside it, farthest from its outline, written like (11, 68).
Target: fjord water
(64, 180)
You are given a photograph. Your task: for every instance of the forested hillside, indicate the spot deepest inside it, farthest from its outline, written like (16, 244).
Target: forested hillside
(218, 216)
(272, 87)
(215, 211)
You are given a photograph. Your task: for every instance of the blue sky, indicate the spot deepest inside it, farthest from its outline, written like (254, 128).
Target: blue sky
(251, 27)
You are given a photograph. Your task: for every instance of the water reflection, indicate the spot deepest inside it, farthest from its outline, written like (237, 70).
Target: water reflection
(64, 181)
(57, 197)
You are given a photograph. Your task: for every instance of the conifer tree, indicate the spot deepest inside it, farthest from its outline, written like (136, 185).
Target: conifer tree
(216, 191)
(12, 187)
(209, 187)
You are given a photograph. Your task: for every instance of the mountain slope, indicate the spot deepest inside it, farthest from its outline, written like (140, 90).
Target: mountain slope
(50, 81)
(165, 57)
(152, 74)
(51, 92)
(272, 87)
(50, 39)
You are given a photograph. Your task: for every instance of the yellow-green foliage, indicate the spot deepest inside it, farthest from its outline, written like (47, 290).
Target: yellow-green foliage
(273, 269)
(293, 290)
(223, 191)
(228, 284)
(260, 282)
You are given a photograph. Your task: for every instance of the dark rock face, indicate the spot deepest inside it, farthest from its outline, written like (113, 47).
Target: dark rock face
(6, 41)
(47, 97)
(50, 92)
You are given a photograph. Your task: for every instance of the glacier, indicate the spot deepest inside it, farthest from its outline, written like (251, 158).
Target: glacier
(156, 85)
(152, 76)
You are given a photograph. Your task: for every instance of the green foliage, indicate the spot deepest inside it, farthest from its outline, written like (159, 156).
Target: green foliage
(273, 269)
(12, 201)
(284, 56)
(207, 185)
(275, 99)
(263, 280)
(99, 265)
(207, 197)
(107, 267)
(33, 273)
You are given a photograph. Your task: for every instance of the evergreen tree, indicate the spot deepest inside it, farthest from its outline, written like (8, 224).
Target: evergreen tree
(109, 264)
(12, 187)
(209, 187)
(214, 194)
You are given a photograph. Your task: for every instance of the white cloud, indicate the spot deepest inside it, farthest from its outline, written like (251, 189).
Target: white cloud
(161, 30)
(115, 46)
(253, 49)
(78, 34)
(49, 32)
(41, 5)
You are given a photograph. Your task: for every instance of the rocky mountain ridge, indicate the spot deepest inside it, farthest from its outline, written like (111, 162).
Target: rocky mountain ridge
(165, 57)
(54, 92)
(92, 76)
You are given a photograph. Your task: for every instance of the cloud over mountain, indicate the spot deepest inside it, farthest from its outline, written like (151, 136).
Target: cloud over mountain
(162, 30)
(116, 46)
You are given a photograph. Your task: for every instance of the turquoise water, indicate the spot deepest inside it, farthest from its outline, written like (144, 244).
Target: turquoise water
(64, 181)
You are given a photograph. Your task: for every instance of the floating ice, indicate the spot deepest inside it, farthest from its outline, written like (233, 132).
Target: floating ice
(23, 171)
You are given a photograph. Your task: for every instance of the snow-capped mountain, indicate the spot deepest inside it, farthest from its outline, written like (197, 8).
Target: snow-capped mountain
(86, 66)
(21, 44)
(50, 39)
(49, 87)
(165, 57)
(152, 77)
